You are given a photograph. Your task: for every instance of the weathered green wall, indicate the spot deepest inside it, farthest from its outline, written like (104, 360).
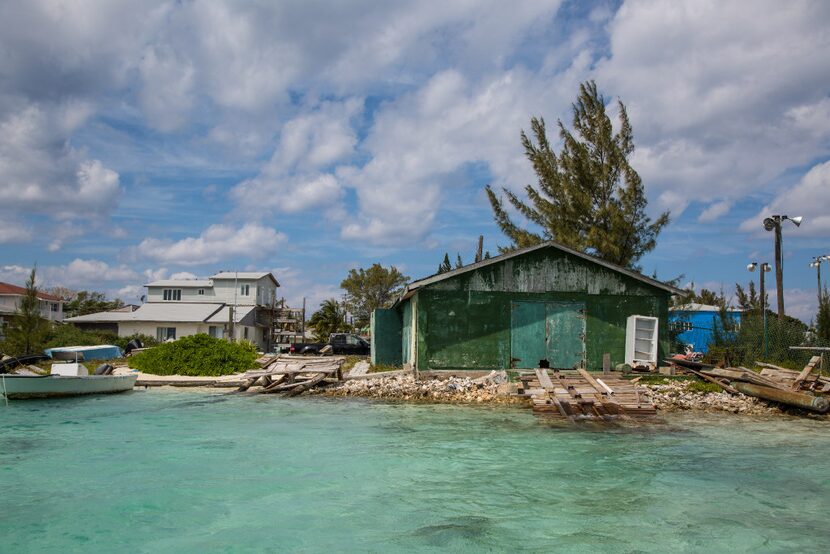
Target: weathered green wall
(406, 331)
(464, 322)
(386, 337)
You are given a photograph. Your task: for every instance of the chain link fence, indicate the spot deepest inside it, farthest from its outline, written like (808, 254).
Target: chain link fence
(747, 342)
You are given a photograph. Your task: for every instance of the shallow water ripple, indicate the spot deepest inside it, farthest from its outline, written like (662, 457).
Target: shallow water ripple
(190, 471)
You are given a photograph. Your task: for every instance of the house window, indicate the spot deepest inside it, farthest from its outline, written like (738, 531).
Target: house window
(245, 333)
(215, 332)
(165, 333)
(172, 294)
(245, 290)
(681, 326)
(54, 307)
(201, 292)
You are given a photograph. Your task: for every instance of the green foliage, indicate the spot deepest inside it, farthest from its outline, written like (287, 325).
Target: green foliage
(445, 266)
(588, 196)
(703, 387)
(196, 355)
(744, 345)
(88, 302)
(367, 289)
(27, 331)
(330, 318)
(69, 335)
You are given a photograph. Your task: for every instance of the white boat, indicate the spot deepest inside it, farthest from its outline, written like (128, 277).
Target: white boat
(71, 379)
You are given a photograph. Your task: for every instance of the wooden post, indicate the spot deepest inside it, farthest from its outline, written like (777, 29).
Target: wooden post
(606, 364)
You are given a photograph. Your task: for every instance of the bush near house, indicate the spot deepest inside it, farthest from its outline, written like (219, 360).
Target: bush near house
(69, 335)
(196, 355)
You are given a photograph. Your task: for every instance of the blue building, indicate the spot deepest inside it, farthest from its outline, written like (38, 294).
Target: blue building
(696, 323)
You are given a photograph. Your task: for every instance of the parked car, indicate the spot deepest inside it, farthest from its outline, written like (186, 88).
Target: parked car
(341, 343)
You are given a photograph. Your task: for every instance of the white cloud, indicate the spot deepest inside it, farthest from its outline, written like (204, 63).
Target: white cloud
(216, 243)
(809, 198)
(421, 143)
(715, 211)
(722, 101)
(14, 274)
(12, 231)
(167, 90)
(294, 179)
(183, 275)
(41, 173)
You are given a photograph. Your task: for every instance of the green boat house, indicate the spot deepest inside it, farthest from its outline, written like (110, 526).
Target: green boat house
(546, 303)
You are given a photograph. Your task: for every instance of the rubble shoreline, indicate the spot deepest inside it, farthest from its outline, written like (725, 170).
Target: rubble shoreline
(670, 397)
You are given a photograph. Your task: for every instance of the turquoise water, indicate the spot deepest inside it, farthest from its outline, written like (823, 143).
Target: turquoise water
(184, 472)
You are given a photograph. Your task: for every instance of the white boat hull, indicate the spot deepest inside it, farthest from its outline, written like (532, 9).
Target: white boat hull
(24, 386)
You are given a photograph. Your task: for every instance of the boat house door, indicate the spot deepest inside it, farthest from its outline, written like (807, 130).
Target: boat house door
(553, 331)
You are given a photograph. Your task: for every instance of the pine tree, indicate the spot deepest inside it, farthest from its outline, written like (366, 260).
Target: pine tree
(27, 330)
(445, 266)
(588, 196)
(458, 263)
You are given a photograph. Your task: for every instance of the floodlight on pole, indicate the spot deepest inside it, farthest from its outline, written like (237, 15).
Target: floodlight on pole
(773, 223)
(764, 268)
(816, 263)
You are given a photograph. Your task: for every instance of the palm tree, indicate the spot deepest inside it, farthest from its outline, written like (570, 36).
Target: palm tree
(330, 318)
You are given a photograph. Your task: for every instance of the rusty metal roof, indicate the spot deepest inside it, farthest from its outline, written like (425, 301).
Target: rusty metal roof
(415, 285)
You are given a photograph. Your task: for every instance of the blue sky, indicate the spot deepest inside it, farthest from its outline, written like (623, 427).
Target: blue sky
(149, 139)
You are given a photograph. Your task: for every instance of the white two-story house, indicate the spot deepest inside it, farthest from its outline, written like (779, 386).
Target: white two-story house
(238, 304)
(51, 306)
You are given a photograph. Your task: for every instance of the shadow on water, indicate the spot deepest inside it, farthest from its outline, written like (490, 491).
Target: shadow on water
(462, 528)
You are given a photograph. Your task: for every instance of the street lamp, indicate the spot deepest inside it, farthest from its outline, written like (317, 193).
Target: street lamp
(764, 267)
(773, 223)
(816, 263)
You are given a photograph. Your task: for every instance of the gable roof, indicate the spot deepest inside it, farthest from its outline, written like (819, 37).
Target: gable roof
(8, 288)
(156, 311)
(415, 285)
(255, 275)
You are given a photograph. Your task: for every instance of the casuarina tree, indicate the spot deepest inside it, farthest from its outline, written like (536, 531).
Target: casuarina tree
(588, 196)
(27, 330)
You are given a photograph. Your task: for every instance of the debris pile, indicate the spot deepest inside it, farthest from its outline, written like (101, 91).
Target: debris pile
(491, 388)
(804, 390)
(676, 395)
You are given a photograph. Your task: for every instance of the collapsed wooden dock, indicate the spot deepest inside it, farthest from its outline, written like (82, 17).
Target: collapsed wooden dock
(292, 376)
(576, 396)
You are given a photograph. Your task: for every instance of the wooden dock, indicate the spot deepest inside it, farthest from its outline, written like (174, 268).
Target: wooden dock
(578, 395)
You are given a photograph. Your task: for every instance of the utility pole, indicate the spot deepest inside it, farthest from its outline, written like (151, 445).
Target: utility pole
(816, 263)
(763, 268)
(773, 223)
(303, 326)
(480, 249)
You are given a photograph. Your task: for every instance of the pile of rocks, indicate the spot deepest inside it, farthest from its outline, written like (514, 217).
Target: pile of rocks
(677, 396)
(462, 390)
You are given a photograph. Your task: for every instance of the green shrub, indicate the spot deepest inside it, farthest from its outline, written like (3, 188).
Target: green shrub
(69, 335)
(703, 387)
(196, 355)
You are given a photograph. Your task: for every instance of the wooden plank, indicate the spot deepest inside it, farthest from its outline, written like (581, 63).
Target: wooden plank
(724, 386)
(544, 379)
(588, 377)
(811, 365)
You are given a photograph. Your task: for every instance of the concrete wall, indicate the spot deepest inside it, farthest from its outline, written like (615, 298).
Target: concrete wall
(386, 337)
